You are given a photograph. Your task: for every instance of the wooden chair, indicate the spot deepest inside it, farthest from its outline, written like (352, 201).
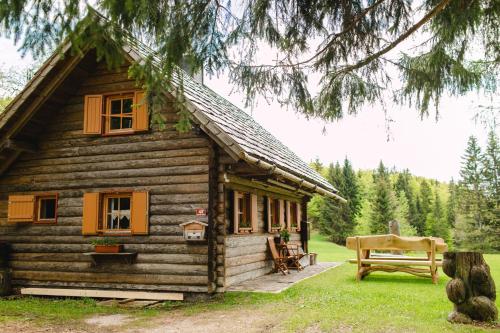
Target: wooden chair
(279, 260)
(295, 255)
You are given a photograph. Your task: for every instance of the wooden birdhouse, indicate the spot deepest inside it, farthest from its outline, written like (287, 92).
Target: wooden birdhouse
(194, 230)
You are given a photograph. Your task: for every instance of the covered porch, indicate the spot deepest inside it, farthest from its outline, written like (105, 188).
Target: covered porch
(276, 282)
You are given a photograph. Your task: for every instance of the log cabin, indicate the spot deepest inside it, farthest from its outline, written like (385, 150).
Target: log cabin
(79, 160)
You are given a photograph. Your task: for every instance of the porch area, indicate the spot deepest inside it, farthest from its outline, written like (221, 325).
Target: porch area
(276, 282)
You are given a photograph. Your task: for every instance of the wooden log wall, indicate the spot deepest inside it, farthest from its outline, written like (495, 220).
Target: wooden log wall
(173, 167)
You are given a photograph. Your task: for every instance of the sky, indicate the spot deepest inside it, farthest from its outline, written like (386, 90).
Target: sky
(426, 147)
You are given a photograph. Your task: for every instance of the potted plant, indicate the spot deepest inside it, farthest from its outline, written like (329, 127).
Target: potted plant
(107, 245)
(285, 236)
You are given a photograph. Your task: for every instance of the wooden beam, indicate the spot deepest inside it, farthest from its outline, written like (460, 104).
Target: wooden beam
(233, 181)
(96, 293)
(20, 146)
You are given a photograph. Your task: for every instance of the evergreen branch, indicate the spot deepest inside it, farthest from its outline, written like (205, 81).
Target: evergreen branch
(436, 10)
(333, 37)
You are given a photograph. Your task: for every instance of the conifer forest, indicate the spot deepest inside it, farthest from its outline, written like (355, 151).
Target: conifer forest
(465, 211)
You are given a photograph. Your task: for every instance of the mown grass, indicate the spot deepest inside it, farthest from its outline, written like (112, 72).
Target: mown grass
(333, 300)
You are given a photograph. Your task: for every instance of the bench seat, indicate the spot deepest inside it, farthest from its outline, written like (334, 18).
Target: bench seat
(398, 262)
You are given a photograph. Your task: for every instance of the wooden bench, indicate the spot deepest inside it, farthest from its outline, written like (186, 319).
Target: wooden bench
(368, 261)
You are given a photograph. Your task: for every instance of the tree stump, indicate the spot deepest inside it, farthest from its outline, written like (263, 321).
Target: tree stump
(472, 289)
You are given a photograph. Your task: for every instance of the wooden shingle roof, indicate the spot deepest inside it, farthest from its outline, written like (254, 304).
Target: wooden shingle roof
(244, 131)
(236, 129)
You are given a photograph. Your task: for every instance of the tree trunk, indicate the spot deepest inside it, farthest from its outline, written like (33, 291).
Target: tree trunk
(472, 289)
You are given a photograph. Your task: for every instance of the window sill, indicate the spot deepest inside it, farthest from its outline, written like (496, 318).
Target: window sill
(119, 133)
(116, 233)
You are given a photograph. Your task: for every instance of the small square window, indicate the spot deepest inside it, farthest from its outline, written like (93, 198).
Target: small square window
(117, 212)
(47, 209)
(119, 114)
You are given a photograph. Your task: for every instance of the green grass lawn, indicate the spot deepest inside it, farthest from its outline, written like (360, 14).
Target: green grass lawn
(383, 302)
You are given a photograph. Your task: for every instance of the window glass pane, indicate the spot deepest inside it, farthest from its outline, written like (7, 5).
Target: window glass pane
(125, 222)
(126, 122)
(115, 123)
(124, 204)
(116, 106)
(47, 209)
(114, 223)
(127, 105)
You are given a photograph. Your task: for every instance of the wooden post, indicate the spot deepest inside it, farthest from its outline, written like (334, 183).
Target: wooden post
(472, 289)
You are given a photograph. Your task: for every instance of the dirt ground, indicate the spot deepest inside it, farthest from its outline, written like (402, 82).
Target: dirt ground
(248, 321)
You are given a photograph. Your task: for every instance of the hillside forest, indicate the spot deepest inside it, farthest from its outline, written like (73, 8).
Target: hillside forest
(465, 211)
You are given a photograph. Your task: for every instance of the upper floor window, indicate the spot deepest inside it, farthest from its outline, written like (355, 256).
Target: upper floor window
(119, 115)
(115, 113)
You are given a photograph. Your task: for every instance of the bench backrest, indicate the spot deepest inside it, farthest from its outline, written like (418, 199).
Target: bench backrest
(393, 242)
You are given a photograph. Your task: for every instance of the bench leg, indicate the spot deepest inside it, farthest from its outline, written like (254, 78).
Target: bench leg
(434, 275)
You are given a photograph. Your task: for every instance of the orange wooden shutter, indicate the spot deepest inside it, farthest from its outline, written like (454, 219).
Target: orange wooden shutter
(287, 212)
(269, 221)
(21, 208)
(299, 215)
(282, 214)
(90, 213)
(236, 209)
(141, 117)
(92, 114)
(254, 213)
(140, 213)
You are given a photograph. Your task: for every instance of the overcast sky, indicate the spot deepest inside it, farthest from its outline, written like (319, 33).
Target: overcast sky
(426, 147)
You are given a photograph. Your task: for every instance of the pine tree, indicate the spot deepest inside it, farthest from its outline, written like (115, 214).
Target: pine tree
(338, 221)
(383, 202)
(425, 205)
(471, 192)
(451, 204)
(331, 221)
(491, 178)
(351, 191)
(403, 185)
(317, 165)
(436, 224)
(402, 213)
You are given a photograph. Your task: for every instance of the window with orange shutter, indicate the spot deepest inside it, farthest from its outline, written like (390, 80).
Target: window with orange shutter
(273, 214)
(245, 217)
(32, 208)
(116, 114)
(116, 213)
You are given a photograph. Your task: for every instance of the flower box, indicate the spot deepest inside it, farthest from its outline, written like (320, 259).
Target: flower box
(116, 248)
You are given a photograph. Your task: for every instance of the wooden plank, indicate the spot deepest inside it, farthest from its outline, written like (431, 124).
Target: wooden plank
(103, 294)
(396, 262)
(393, 242)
